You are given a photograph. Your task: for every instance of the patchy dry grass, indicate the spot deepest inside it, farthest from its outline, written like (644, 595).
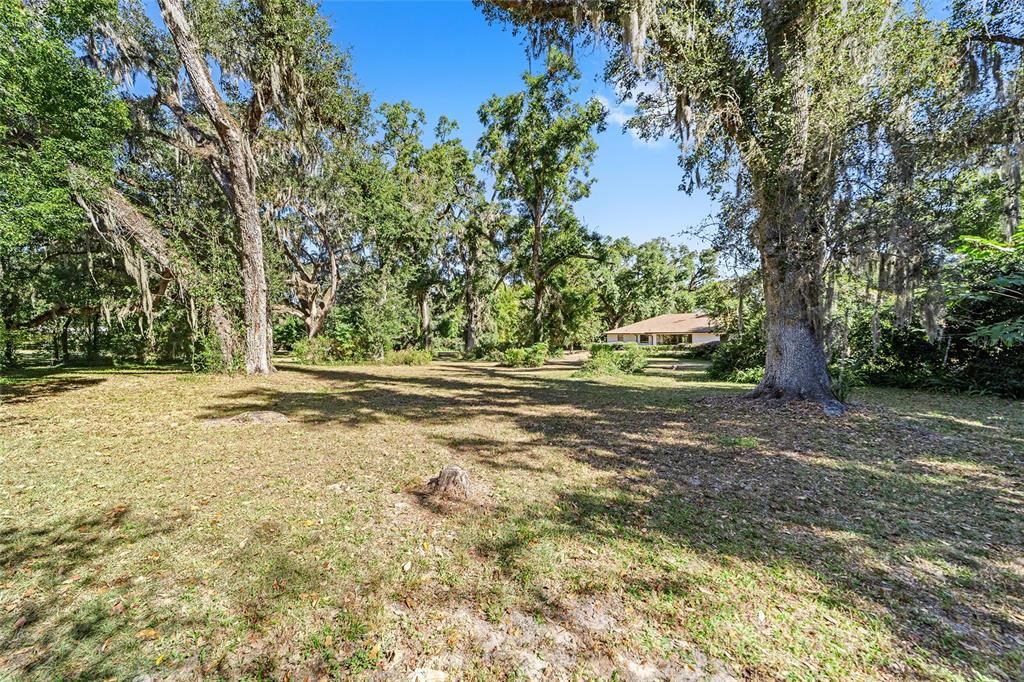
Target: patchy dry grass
(631, 527)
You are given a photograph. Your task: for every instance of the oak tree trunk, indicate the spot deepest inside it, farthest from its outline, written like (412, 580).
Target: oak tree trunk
(239, 185)
(792, 258)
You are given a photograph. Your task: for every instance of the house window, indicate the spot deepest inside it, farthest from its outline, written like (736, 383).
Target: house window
(688, 338)
(618, 337)
(644, 338)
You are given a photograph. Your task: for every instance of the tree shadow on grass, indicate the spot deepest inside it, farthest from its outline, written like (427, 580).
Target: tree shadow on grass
(924, 529)
(24, 389)
(64, 615)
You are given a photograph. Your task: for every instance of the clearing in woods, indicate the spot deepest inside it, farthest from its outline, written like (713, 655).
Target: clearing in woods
(644, 527)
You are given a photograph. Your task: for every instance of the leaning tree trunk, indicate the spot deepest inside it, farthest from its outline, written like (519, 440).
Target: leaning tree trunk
(115, 216)
(238, 180)
(791, 263)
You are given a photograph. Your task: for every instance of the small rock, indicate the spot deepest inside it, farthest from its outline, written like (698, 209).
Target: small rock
(427, 675)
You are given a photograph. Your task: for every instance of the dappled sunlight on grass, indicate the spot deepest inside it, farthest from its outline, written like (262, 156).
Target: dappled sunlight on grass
(616, 523)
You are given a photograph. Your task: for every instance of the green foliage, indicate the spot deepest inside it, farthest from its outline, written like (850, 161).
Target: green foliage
(531, 356)
(738, 353)
(606, 360)
(59, 120)
(632, 360)
(288, 331)
(408, 356)
(846, 376)
(600, 363)
(318, 350)
(750, 375)
(653, 278)
(538, 144)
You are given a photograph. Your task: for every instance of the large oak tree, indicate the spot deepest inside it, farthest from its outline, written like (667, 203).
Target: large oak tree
(766, 94)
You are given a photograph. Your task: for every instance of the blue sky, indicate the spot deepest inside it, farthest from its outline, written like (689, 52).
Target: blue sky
(444, 58)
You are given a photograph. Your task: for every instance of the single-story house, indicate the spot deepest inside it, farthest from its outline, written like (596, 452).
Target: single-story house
(694, 328)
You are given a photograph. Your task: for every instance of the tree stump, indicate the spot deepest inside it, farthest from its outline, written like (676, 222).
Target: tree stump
(451, 483)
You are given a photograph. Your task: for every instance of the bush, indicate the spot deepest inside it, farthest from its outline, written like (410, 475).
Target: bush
(750, 375)
(738, 353)
(407, 356)
(633, 360)
(600, 363)
(532, 356)
(514, 357)
(846, 376)
(537, 354)
(316, 351)
(704, 351)
(604, 360)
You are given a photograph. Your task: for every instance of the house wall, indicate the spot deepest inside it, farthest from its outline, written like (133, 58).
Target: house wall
(698, 338)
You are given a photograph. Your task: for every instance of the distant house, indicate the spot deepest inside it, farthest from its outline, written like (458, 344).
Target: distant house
(692, 328)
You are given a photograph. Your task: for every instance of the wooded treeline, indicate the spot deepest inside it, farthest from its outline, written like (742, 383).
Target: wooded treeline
(213, 185)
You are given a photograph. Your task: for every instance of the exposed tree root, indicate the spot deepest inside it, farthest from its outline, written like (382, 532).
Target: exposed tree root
(780, 395)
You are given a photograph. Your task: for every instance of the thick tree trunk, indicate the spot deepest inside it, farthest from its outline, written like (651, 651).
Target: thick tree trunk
(239, 185)
(795, 363)
(255, 308)
(9, 325)
(472, 295)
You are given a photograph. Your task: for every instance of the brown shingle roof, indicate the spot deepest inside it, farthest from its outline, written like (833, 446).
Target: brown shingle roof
(679, 323)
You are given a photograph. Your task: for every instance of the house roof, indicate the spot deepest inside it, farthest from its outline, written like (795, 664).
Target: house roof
(679, 323)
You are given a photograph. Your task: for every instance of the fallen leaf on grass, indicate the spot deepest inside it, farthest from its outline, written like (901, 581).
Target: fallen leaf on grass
(147, 634)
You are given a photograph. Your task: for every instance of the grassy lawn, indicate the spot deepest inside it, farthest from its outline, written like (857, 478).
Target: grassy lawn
(647, 527)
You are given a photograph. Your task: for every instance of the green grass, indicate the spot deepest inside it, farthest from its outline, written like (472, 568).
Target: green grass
(615, 524)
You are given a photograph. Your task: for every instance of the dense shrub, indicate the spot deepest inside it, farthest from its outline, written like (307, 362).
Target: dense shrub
(704, 351)
(737, 353)
(633, 360)
(316, 351)
(846, 376)
(604, 359)
(531, 356)
(600, 363)
(750, 375)
(288, 331)
(408, 356)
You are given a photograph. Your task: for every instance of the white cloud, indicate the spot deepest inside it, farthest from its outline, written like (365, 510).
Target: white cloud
(620, 113)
